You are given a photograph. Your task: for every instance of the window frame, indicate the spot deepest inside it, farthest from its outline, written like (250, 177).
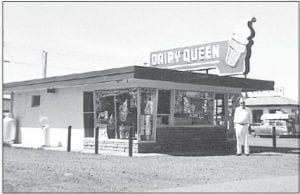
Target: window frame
(209, 99)
(34, 100)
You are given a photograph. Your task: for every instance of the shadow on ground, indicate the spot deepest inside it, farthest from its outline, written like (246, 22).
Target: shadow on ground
(197, 153)
(256, 150)
(283, 150)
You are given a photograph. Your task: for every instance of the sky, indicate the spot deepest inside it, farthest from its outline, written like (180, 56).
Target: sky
(81, 36)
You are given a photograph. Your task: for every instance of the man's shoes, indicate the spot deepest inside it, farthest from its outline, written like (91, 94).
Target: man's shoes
(238, 154)
(247, 154)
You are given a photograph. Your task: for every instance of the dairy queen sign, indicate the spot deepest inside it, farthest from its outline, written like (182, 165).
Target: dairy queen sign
(229, 57)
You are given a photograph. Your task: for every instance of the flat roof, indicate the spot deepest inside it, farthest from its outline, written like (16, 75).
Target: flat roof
(270, 101)
(147, 73)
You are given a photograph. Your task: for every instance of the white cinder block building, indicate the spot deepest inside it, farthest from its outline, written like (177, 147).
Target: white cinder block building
(166, 109)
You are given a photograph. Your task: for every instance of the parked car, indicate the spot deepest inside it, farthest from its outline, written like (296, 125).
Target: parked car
(252, 128)
(283, 126)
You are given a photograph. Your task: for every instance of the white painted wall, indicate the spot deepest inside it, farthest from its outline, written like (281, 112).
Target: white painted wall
(35, 137)
(62, 108)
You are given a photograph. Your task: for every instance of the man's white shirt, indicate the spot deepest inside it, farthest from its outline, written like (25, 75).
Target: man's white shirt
(243, 116)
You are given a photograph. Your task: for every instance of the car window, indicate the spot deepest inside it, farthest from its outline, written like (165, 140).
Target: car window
(278, 123)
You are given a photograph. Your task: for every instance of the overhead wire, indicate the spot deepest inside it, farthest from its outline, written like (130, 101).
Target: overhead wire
(17, 62)
(26, 50)
(49, 65)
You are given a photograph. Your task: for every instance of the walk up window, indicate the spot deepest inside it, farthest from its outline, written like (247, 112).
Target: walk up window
(88, 114)
(193, 108)
(116, 113)
(232, 103)
(163, 107)
(148, 114)
(219, 109)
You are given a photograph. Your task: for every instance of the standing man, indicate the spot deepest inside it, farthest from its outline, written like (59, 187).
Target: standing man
(242, 122)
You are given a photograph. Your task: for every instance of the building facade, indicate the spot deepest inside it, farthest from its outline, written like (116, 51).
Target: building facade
(167, 110)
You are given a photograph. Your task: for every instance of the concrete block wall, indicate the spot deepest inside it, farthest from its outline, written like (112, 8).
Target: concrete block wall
(210, 139)
(110, 145)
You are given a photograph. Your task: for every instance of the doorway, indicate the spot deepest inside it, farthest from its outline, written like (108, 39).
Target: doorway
(116, 113)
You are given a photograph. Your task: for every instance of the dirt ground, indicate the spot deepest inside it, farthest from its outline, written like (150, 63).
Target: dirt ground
(36, 170)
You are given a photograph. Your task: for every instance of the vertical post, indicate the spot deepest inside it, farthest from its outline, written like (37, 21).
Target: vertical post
(274, 136)
(172, 108)
(11, 103)
(45, 64)
(138, 116)
(154, 117)
(115, 110)
(69, 138)
(226, 116)
(96, 140)
(130, 142)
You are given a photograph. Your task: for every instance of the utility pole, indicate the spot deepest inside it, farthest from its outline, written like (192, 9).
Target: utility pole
(44, 75)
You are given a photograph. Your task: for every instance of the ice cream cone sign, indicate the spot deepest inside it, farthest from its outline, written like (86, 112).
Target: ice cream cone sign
(242, 31)
(230, 57)
(237, 46)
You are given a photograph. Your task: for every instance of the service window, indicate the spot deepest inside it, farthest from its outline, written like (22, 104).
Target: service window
(163, 107)
(35, 101)
(88, 114)
(219, 109)
(148, 112)
(232, 103)
(116, 113)
(193, 108)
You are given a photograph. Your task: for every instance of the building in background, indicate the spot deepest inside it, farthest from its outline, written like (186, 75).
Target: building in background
(273, 104)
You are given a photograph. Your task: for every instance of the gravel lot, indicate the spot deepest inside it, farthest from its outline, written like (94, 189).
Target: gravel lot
(35, 170)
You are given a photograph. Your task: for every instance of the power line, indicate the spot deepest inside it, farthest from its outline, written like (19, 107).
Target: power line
(17, 62)
(58, 53)
(32, 64)
(29, 48)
